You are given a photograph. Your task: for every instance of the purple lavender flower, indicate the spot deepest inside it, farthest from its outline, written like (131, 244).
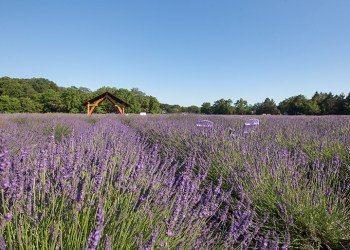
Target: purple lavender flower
(150, 243)
(314, 195)
(163, 244)
(275, 242)
(53, 234)
(4, 165)
(96, 233)
(80, 190)
(108, 244)
(3, 245)
(265, 242)
(287, 241)
(290, 220)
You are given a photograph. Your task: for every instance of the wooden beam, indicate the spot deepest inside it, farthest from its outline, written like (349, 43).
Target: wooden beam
(116, 106)
(91, 107)
(119, 109)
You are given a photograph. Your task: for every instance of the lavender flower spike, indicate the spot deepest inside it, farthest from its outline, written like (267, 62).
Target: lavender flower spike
(150, 243)
(96, 234)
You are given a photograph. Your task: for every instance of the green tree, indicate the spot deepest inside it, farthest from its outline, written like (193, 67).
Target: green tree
(241, 107)
(141, 98)
(9, 104)
(11, 87)
(206, 108)
(166, 108)
(297, 105)
(40, 85)
(192, 109)
(340, 101)
(129, 98)
(330, 104)
(84, 90)
(347, 105)
(72, 99)
(223, 106)
(267, 107)
(154, 106)
(29, 105)
(175, 108)
(51, 101)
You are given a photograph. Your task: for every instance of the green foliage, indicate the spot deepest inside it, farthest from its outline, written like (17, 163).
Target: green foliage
(59, 131)
(267, 107)
(206, 108)
(41, 95)
(141, 98)
(154, 107)
(347, 105)
(51, 101)
(242, 107)
(319, 104)
(296, 105)
(301, 206)
(166, 108)
(9, 104)
(330, 104)
(15, 87)
(127, 96)
(29, 105)
(192, 109)
(223, 107)
(72, 99)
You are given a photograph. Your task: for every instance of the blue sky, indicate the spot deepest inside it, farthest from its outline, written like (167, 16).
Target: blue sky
(182, 52)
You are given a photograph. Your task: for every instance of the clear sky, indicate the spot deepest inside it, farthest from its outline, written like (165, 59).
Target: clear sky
(182, 52)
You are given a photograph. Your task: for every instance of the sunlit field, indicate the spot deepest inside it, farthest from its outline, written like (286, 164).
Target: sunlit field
(162, 182)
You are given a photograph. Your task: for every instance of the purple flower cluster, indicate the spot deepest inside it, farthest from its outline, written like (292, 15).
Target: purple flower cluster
(163, 182)
(294, 168)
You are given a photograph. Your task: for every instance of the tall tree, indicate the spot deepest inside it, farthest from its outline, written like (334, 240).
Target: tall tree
(297, 105)
(9, 104)
(267, 107)
(347, 105)
(141, 98)
(242, 107)
(330, 104)
(206, 108)
(154, 106)
(192, 109)
(29, 105)
(167, 108)
(223, 107)
(72, 99)
(128, 97)
(51, 101)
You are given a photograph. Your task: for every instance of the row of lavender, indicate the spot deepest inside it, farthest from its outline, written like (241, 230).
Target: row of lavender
(293, 169)
(77, 182)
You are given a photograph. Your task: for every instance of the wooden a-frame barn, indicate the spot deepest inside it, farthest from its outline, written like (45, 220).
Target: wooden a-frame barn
(118, 103)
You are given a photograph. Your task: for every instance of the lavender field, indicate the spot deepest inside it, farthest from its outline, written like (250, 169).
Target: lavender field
(161, 182)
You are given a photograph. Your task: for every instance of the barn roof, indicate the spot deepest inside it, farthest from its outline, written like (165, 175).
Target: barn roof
(104, 95)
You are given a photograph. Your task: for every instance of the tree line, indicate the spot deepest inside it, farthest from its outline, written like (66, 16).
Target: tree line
(319, 104)
(39, 95)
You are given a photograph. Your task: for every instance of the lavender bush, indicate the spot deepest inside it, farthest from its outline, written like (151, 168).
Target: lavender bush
(294, 168)
(161, 182)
